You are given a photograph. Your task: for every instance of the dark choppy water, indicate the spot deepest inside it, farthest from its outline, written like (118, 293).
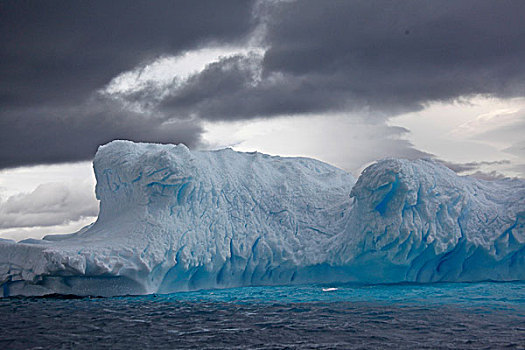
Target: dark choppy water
(455, 316)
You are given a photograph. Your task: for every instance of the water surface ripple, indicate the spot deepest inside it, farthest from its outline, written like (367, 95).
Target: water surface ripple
(441, 316)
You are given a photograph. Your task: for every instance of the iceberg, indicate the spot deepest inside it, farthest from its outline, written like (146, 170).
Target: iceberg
(172, 219)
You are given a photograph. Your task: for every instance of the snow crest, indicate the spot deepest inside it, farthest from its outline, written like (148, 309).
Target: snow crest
(172, 219)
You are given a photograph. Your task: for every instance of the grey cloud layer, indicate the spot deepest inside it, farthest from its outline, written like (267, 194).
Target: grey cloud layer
(323, 56)
(55, 55)
(49, 204)
(385, 56)
(73, 133)
(56, 52)
(470, 166)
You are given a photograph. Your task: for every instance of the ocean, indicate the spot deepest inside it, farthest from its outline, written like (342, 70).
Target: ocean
(402, 316)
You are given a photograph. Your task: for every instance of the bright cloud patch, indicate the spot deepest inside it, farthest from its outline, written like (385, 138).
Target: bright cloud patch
(480, 130)
(48, 205)
(348, 142)
(36, 201)
(168, 72)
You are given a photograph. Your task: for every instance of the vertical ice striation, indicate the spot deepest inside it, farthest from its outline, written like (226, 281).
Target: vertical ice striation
(173, 219)
(418, 221)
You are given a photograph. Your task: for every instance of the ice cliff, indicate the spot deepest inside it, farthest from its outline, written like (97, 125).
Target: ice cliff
(171, 219)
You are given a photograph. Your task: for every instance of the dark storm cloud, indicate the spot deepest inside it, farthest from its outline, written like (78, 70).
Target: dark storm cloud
(380, 57)
(402, 53)
(52, 135)
(387, 56)
(230, 89)
(471, 166)
(59, 51)
(54, 56)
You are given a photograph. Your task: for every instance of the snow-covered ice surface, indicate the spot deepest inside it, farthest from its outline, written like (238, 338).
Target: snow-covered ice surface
(174, 220)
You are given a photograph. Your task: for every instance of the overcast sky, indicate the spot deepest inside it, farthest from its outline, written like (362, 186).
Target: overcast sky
(347, 82)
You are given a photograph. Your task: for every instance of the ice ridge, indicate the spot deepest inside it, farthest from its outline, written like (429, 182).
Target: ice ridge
(172, 219)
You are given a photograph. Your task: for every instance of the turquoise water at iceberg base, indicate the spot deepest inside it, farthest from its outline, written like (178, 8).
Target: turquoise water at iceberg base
(415, 316)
